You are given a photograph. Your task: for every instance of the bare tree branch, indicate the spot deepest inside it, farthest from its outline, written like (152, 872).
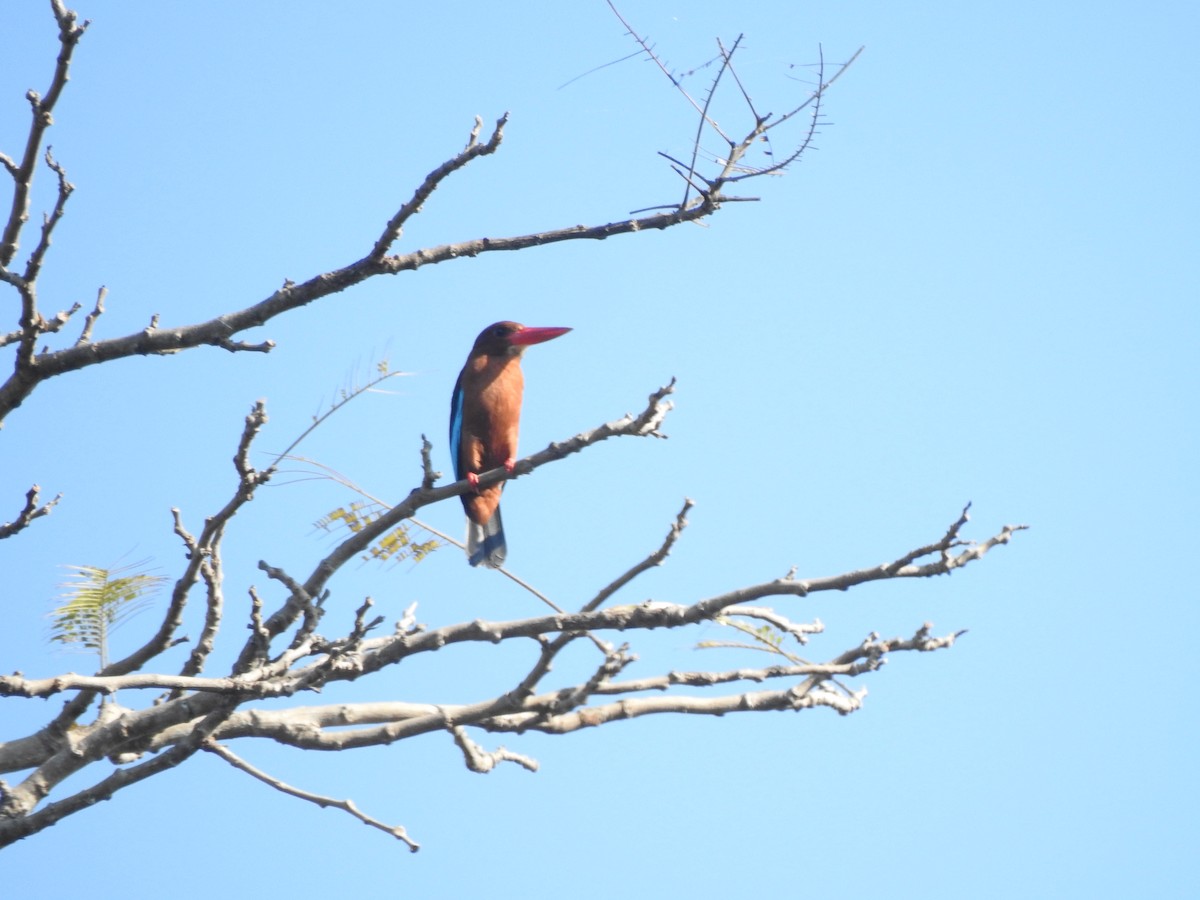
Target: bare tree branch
(221, 330)
(654, 559)
(31, 511)
(17, 818)
(396, 831)
(49, 326)
(197, 550)
(395, 226)
(89, 323)
(65, 189)
(175, 721)
(483, 761)
(348, 726)
(379, 652)
(41, 109)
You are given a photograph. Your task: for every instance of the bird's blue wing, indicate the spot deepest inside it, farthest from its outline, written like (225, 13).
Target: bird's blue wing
(456, 417)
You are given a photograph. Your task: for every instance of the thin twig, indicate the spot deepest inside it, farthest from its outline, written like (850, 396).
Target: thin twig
(726, 65)
(649, 51)
(65, 189)
(396, 831)
(654, 559)
(89, 322)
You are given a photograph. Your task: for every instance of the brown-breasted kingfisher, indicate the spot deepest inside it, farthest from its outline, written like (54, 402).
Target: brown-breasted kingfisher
(485, 416)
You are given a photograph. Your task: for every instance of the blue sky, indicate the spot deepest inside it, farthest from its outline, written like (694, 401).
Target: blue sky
(981, 285)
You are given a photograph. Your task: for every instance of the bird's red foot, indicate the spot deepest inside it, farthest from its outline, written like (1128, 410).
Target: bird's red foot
(510, 465)
(474, 479)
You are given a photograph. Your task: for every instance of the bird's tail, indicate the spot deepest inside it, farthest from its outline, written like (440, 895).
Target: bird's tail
(485, 543)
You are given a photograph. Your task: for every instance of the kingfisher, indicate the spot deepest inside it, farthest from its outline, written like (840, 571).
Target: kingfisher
(485, 415)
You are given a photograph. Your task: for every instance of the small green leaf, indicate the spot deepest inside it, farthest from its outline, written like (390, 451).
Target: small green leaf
(396, 546)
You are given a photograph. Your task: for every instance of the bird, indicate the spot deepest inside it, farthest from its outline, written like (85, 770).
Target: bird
(485, 416)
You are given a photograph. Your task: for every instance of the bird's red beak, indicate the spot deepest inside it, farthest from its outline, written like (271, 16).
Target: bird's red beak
(527, 336)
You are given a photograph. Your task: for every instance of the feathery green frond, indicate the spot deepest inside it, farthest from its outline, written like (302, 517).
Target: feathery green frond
(96, 601)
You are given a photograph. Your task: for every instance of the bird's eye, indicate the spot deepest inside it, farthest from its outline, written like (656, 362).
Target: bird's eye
(502, 331)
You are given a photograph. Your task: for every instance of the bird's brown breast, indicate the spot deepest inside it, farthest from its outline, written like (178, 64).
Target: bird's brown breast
(493, 386)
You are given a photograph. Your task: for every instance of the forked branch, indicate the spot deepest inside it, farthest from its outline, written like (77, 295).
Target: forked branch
(33, 509)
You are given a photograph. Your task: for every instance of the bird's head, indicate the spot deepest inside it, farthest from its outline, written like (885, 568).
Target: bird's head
(511, 338)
